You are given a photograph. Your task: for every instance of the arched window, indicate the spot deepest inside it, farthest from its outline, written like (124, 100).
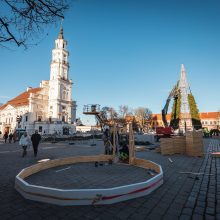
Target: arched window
(39, 118)
(63, 118)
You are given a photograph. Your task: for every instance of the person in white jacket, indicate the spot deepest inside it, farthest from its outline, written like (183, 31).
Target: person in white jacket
(25, 142)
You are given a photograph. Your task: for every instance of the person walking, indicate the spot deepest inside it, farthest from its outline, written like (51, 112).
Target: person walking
(25, 142)
(35, 138)
(5, 137)
(10, 137)
(14, 136)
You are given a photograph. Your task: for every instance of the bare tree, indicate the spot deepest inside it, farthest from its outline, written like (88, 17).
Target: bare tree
(123, 111)
(107, 114)
(110, 113)
(22, 21)
(143, 117)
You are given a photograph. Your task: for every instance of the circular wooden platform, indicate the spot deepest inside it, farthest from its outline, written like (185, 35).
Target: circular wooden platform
(89, 176)
(77, 181)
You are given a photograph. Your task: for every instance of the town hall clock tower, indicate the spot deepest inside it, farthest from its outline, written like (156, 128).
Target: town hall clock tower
(60, 106)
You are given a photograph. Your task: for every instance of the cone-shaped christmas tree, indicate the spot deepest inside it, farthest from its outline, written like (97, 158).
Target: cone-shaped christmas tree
(185, 114)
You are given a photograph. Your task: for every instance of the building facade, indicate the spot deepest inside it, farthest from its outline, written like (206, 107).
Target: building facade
(209, 120)
(48, 108)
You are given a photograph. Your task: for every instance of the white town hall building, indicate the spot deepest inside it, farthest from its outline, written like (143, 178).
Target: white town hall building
(49, 108)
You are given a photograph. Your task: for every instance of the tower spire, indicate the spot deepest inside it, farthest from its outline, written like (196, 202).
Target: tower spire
(184, 91)
(182, 74)
(60, 36)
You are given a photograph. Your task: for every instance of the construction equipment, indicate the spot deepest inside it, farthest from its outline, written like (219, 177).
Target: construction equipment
(115, 129)
(166, 131)
(173, 94)
(102, 118)
(107, 126)
(94, 109)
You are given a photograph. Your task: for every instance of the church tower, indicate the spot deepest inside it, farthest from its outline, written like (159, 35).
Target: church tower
(61, 107)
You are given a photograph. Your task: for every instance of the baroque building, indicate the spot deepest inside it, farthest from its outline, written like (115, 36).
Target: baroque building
(48, 108)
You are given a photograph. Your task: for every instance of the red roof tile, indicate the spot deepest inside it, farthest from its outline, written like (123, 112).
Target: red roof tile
(21, 99)
(209, 115)
(203, 115)
(159, 116)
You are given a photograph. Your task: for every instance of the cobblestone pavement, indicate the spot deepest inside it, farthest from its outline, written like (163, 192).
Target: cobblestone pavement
(182, 196)
(88, 176)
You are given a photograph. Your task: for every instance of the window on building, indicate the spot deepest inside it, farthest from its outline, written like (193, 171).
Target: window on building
(206, 122)
(210, 122)
(39, 118)
(64, 95)
(215, 122)
(40, 128)
(63, 118)
(50, 119)
(11, 119)
(202, 122)
(26, 118)
(51, 107)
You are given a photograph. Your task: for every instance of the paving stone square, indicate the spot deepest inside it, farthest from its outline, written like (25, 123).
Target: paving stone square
(182, 196)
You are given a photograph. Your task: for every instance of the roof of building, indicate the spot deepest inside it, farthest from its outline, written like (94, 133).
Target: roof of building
(159, 116)
(203, 115)
(21, 99)
(208, 115)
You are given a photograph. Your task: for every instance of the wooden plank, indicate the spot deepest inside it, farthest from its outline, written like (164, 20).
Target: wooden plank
(146, 164)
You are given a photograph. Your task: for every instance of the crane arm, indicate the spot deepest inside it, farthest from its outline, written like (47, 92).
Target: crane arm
(173, 93)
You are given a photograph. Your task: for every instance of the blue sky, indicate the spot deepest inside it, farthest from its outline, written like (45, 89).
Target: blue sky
(127, 52)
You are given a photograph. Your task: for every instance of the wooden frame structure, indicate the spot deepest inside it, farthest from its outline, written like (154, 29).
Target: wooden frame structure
(86, 196)
(90, 196)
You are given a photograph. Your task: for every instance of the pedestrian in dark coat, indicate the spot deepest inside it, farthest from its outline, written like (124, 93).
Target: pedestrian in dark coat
(10, 137)
(5, 136)
(14, 137)
(35, 138)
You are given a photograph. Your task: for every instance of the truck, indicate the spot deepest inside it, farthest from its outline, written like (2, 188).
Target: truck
(163, 132)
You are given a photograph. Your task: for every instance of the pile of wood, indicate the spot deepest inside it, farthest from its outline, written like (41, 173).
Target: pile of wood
(166, 145)
(194, 143)
(191, 144)
(179, 144)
